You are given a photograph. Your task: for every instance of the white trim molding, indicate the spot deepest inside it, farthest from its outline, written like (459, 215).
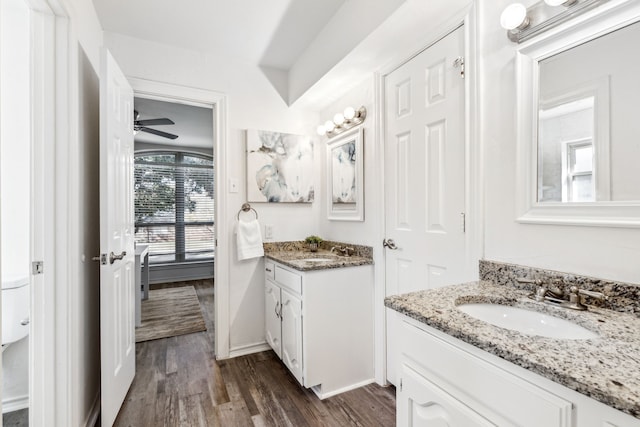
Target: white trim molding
(243, 350)
(607, 18)
(218, 101)
(51, 101)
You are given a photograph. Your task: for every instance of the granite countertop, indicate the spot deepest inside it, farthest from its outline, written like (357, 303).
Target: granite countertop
(606, 368)
(297, 259)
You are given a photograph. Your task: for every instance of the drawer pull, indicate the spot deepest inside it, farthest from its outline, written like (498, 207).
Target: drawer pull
(268, 269)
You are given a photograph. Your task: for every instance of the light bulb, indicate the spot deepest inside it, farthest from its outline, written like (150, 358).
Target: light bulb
(514, 17)
(338, 119)
(349, 113)
(321, 130)
(329, 126)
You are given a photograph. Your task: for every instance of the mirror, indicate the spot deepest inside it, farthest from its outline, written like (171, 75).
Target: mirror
(345, 176)
(577, 127)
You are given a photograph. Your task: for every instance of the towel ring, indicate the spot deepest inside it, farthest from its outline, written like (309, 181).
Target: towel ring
(246, 207)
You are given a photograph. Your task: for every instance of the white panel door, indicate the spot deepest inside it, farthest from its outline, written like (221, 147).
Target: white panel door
(425, 169)
(423, 404)
(117, 282)
(291, 313)
(273, 330)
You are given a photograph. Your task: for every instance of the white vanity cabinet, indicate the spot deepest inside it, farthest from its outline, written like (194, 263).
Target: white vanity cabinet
(446, 382)
(320, 323)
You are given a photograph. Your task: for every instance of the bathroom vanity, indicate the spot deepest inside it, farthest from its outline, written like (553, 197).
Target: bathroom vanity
(319, 317)
(454, 367)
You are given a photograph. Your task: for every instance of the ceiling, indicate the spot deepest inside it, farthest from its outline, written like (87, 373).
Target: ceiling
(193, 125)
(270, 33)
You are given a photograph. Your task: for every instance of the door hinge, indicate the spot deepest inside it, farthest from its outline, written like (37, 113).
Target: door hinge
(37, 267)
(459, 62)
(400, 384)
(463, 222)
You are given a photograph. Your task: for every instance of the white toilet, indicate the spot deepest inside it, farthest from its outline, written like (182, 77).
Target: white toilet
(15, 309)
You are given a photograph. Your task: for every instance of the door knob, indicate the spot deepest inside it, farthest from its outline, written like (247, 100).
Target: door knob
(389, 243)
(113, 257)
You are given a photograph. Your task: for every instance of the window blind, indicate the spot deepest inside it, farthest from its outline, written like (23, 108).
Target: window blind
(174, 206)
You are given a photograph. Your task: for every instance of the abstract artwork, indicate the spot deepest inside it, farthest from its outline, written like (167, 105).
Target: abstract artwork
(345, 177)
(343, 159)
(279, 167)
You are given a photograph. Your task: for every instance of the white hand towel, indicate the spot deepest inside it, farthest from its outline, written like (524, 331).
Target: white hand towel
(249, 239)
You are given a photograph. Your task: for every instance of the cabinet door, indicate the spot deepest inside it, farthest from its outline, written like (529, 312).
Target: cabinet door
(273, 332)
(423, 404)
(292, 333)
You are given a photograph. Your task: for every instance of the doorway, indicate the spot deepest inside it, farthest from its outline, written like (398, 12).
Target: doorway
(217, 102)
(174, 203)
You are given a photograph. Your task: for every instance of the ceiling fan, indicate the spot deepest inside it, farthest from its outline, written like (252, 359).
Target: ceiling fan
(141, 125)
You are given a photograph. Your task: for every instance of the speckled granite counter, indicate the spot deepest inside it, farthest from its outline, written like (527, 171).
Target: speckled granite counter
(299, 260)
(296, 254)
(606, 369)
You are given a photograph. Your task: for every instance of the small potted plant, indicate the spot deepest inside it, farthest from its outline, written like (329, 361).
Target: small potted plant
(313, 242)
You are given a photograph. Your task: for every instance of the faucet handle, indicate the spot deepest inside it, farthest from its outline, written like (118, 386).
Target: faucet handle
(597, 295)
(536, 282)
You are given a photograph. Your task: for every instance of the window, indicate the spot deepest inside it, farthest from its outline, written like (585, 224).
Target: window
(578, 172)
(174, 206)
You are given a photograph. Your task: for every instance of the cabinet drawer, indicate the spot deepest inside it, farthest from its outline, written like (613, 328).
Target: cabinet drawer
(288, 279)
(269, 270)
(498, 395)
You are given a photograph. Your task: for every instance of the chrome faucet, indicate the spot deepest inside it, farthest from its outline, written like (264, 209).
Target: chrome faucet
(574, 299)
(345, 251)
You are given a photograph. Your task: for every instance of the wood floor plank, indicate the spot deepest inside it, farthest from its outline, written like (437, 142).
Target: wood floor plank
(179, 383)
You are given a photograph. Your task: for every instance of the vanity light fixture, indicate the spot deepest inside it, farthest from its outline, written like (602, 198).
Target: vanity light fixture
(343, 121)
(523, 23)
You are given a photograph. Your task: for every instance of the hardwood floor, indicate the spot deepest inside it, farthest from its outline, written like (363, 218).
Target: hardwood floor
(179, 383)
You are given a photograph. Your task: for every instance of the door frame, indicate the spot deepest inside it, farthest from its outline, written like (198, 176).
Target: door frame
(467, 18)
(51, 102)
(218, 102)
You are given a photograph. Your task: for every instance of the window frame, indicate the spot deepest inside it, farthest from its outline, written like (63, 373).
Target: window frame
(180, 225)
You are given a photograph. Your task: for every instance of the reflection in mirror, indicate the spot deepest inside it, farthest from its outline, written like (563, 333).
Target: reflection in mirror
(587, 128)
(344, 176)
(343, 166)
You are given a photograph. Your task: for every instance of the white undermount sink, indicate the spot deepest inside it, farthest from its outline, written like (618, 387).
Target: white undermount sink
(528, 322)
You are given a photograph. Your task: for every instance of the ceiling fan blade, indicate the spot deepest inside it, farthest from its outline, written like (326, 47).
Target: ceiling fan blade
(158, 132)
(154, 122)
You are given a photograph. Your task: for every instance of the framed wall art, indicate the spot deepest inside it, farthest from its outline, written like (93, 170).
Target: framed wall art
(279, 167)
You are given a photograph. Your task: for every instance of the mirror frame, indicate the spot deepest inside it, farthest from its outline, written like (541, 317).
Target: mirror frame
(605, 19)
(357, 214)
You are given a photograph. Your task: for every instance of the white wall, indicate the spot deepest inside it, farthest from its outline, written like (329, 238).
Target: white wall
(15, 150)
(15, 169)
(252, 104)
(610, 253)
(365, 232)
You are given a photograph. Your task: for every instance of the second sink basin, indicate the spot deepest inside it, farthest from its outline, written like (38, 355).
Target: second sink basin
(527, 321)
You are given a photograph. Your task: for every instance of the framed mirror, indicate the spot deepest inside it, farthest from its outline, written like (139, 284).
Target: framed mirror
(345, 183)
(577, 131)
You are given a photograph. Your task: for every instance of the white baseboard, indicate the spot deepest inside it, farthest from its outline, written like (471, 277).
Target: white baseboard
(248, 349)
(318, 389)
(94, 412)
(15, 403)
